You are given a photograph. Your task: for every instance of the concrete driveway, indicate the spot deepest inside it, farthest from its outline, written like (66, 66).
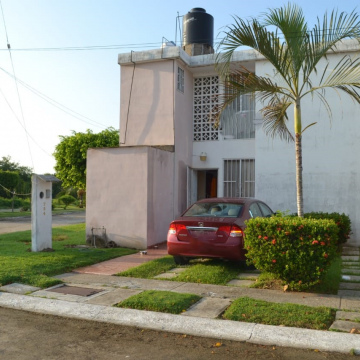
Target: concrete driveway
(8, 225)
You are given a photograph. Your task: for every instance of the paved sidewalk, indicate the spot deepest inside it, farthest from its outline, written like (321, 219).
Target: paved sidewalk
(123, 263)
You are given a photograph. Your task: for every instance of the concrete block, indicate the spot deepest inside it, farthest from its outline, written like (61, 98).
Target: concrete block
(208, 308)
(350, 258)
(350, 277)
(348, 271)
(350, 303)
(167, 275)
(248, 276)
(349, 286)
(237, 282)
(17, 288)
(348, 315)
(345, 326)
(113, 297)
(349, 293)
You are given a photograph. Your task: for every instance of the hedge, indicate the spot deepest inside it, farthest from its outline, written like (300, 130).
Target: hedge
(341, 220)
(297, 250)
(18, 203)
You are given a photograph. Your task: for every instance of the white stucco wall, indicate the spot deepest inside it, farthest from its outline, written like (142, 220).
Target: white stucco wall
(218, 151)
(129, 194)
(331, 162)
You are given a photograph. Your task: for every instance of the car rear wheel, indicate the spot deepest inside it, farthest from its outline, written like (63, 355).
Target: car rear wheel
(181, 260)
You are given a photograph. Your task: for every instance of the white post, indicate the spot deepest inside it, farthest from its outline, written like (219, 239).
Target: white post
(41, 213)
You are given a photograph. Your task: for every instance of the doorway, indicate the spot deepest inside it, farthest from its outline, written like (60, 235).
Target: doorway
(206, 184)
(201, 184)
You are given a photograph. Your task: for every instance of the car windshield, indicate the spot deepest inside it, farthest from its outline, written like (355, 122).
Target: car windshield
(214, 209)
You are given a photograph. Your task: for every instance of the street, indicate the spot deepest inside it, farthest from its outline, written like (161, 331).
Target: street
(24, 223)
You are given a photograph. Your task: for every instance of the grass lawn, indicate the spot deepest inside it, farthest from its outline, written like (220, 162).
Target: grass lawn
(150, 269)
(209, 271)
(18, 264)
(219, 272)
(161, 301)
(263, 312)
(242, 309)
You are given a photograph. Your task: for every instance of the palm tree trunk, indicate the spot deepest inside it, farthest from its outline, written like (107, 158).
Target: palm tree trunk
(298, 159)
(299, 183)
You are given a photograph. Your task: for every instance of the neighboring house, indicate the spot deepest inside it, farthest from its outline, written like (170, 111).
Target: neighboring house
(171, 154)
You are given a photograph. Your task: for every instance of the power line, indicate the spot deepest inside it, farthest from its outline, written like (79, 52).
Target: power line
(27, 133)
(154, 45)
(17, 89)
(56, 103)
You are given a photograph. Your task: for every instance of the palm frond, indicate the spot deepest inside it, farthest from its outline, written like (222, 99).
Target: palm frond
(345, 77)
(242, 81)
(254, 35)
(326, 36)
(290, 21)
(275, 118)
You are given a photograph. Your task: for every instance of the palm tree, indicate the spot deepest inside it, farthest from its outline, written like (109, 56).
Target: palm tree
(294, 51)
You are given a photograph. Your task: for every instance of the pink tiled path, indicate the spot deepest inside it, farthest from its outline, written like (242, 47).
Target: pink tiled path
(114, 266)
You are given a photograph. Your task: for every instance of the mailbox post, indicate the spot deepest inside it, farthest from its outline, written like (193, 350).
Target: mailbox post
(41, 212)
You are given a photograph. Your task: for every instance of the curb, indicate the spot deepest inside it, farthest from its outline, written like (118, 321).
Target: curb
(219, 329)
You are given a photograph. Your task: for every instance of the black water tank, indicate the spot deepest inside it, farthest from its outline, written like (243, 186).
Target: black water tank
(198, 27)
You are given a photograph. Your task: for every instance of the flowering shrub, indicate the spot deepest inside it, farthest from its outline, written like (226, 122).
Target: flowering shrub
(297, 250)
(341, 220)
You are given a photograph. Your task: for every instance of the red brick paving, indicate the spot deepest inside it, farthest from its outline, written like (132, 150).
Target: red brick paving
(114, 266)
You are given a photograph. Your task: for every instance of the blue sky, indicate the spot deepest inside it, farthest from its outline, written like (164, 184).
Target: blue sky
(87, 82)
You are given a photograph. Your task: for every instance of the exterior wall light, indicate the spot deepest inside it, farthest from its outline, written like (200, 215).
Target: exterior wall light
(203, 156)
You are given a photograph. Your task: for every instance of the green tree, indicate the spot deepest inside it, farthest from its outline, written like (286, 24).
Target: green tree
(284, 38)
(24, 183)
(70, 154)
(8, 182)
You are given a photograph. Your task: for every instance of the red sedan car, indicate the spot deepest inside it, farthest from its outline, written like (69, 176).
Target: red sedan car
(213, 228)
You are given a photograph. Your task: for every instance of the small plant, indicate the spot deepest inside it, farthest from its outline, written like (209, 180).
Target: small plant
(67, 200)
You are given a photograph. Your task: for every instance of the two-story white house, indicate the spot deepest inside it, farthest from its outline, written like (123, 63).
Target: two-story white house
(172, 154)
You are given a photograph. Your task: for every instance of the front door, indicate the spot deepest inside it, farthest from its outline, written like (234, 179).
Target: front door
(201, 184)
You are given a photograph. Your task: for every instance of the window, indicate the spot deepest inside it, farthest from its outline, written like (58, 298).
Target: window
(180, 79)
(212, 209)
(254, 210)
(266, 211)
(206, 100)
(239, 178)
(237, 120)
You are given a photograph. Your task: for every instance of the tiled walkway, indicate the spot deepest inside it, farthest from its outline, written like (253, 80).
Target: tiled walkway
(349, 288)
(123, 263)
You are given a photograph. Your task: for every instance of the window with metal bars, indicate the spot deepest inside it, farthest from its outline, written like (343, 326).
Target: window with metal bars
(180, 79)
(237, 120)
(239, 178)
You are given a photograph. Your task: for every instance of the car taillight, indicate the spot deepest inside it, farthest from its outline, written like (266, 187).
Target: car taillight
(236, 231)
(172, 229)
(224, 228)
(175, 228)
